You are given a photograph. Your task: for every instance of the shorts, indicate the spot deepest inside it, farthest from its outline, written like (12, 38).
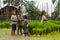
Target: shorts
(19, 27)
(13, 26)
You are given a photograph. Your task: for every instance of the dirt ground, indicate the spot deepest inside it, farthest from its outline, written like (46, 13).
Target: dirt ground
(5, 34)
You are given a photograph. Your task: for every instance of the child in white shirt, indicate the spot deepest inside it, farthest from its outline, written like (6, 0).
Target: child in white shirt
(44, 19)
(13, 21)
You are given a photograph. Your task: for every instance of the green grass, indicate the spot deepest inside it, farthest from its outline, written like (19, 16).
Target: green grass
(5, 35)
(35, 27)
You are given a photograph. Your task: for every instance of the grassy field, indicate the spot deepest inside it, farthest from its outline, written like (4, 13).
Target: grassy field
(5, 35)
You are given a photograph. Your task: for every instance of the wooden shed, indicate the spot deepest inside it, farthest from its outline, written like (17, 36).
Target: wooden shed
(6, 12)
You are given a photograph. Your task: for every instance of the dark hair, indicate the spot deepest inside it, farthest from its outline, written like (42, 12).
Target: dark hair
(43, 12)
(25, 17)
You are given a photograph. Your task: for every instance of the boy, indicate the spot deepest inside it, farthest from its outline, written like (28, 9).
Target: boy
(26, 26)
(19, 24)
(14, 21)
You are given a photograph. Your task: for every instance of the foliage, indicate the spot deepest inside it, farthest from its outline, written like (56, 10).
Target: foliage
(36, 27)
(53, 1)
(5, 24)
(33, 12)
(56, 13)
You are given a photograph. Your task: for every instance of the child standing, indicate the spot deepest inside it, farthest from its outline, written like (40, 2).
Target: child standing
(26, 26)
(14, 21)
(19, 24)
(44, 19)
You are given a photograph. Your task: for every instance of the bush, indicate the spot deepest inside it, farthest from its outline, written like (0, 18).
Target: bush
(35, 27)
(5, 24)
(34, 24)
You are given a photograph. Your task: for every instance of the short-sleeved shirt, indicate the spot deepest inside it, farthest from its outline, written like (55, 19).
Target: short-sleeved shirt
(13, 18)
(43, 18)
(26, 21)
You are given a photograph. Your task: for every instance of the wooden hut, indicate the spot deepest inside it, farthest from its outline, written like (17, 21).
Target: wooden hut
(6, 12)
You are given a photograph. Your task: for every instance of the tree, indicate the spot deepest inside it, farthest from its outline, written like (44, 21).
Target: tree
(53, 1)
(56, 13)
(33, 12)
(13, 2)
(9, 1)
